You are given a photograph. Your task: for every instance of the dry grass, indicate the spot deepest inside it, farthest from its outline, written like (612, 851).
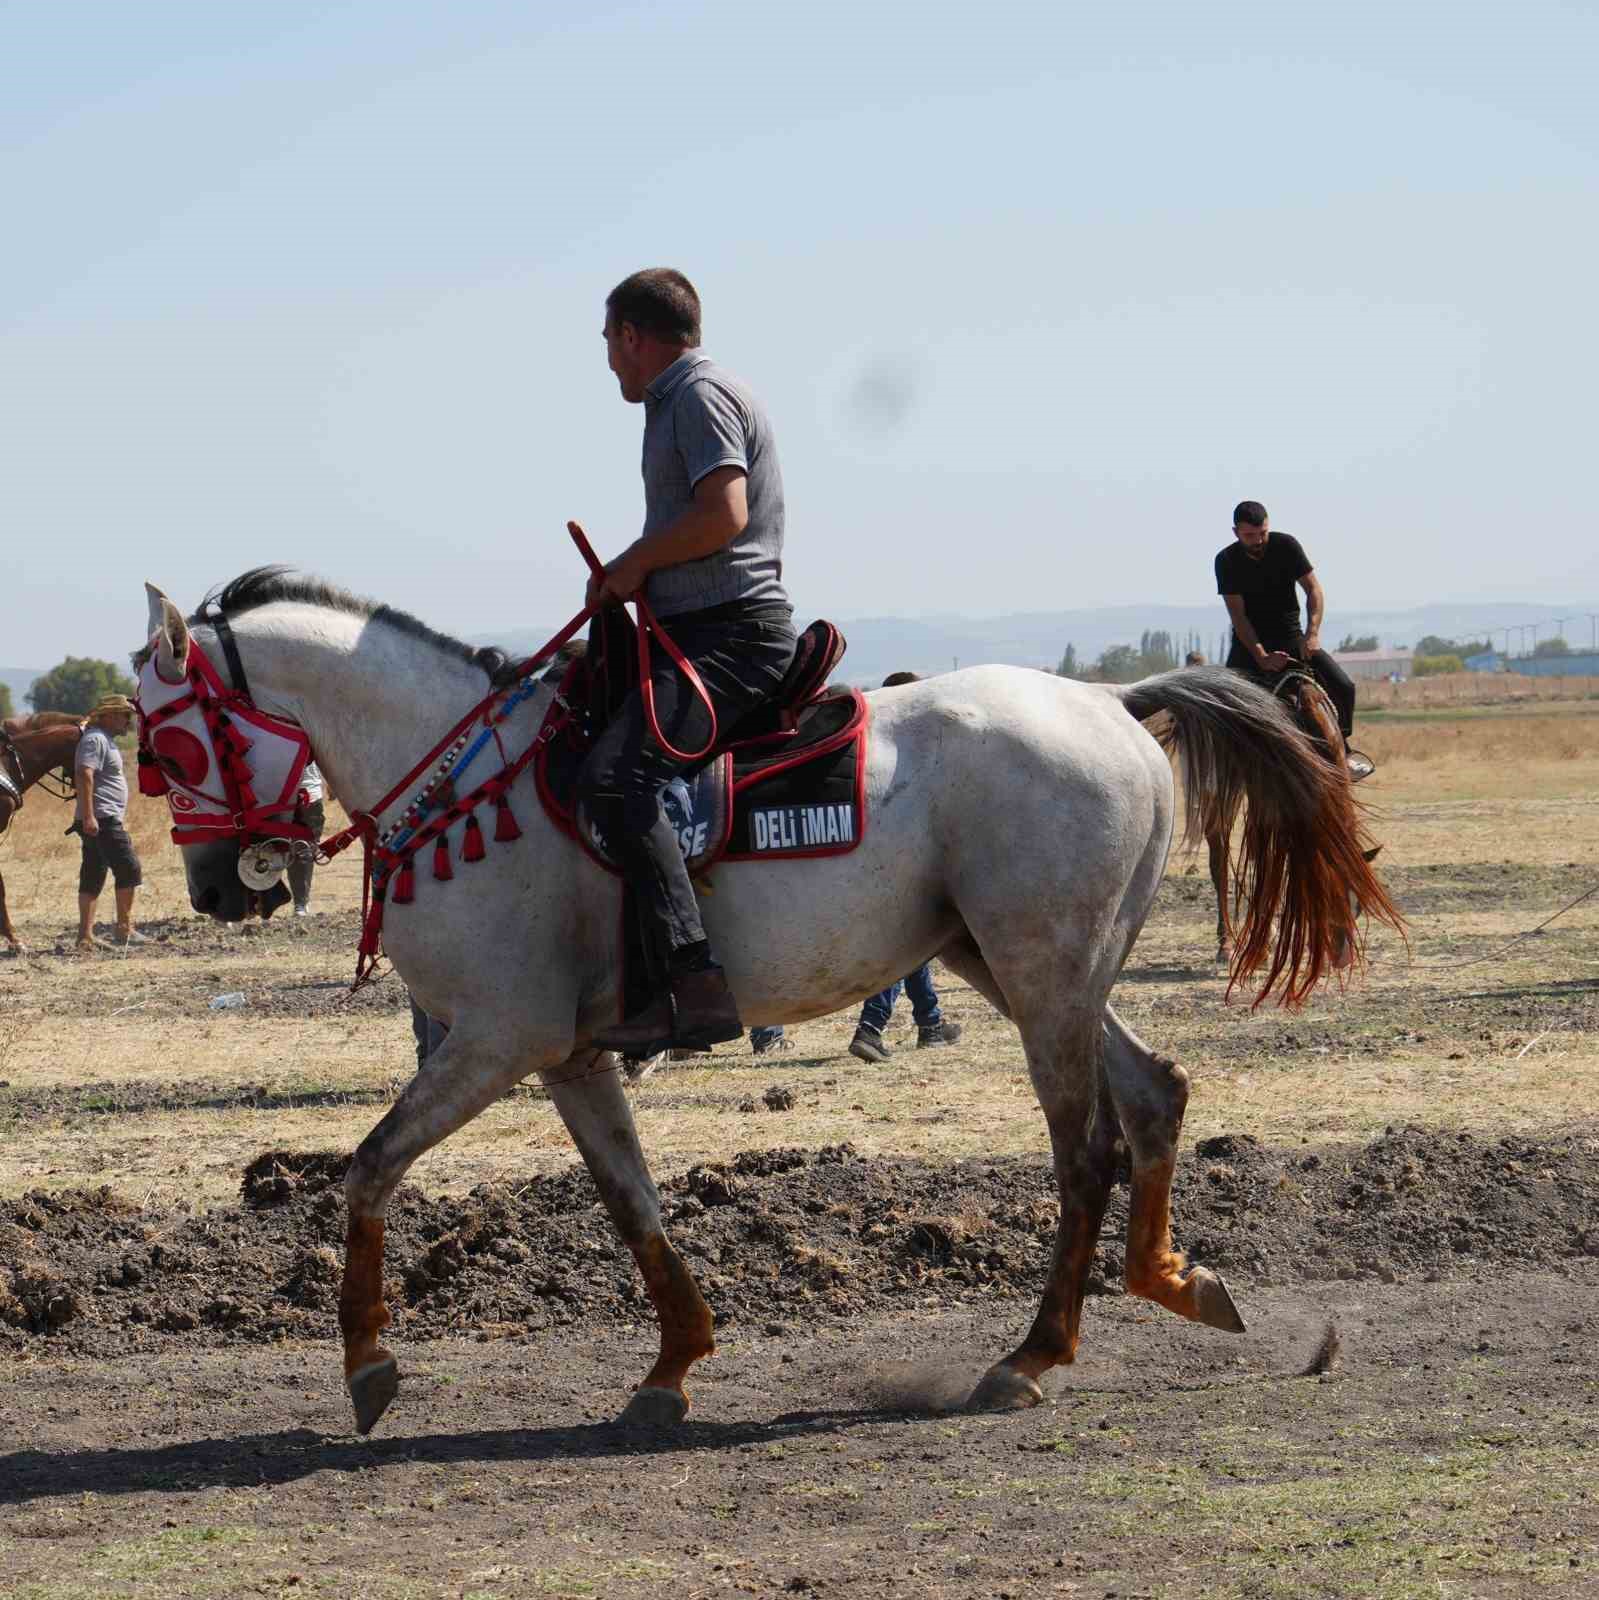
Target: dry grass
(1409, 1042)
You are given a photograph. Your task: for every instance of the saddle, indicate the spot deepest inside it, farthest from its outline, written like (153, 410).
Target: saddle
(786, 781)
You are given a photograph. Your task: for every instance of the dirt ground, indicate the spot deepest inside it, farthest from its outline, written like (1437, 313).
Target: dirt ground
(1414, 1164)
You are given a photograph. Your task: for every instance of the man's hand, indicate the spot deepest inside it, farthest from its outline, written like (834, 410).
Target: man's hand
(90, 824)
(1312, 643)
(1274, 660)
(619, 580)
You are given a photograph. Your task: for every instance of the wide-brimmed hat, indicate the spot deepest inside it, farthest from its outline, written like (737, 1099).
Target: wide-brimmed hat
(111, 702)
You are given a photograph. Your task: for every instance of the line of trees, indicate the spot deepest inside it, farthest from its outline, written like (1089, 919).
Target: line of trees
(1157, 651)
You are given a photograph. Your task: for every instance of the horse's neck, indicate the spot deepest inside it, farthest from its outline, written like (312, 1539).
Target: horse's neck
(43, 752)
(372, 699)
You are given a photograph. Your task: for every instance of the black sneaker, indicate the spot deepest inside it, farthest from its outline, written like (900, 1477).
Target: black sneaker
(939, 1033)
(867, 1045)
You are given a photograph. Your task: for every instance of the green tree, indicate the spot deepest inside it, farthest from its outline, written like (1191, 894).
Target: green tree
(1069, 666)
(6, 707)
(1429, 666)
(1365, 641)
(1119, 664)
(76, 685)
(1433, 644)
(1156, 652)
(1551, 647)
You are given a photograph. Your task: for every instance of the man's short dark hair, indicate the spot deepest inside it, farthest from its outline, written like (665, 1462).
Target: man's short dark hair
(895, 679)
(658, 301)
(1250, 511)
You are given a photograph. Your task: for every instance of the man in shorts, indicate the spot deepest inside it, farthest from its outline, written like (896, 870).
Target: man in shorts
(101, 810)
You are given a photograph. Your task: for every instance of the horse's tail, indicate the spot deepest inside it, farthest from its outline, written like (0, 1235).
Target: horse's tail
(1301, 856)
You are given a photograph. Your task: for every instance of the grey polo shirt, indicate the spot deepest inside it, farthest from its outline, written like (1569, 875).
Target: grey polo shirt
(697, 418)
(99, 754)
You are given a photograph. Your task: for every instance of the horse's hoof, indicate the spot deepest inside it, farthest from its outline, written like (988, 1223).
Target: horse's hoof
(372, 1387)
(652, 1407)
(1213, 1305)
(1224, 954)
(1003, 1388)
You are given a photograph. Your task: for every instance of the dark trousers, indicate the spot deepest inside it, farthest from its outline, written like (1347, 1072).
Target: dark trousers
(741, 656)
(314, 817)
(1339, 685)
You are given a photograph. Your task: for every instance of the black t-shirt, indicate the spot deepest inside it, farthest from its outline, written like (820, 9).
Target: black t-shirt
(1271, 602)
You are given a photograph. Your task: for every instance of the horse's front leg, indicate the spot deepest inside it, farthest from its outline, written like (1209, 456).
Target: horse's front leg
(600, 1120)
(6, 930)
(1216, 844)
(461, 1078)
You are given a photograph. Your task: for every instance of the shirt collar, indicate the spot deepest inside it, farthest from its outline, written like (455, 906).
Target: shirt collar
(663, 383)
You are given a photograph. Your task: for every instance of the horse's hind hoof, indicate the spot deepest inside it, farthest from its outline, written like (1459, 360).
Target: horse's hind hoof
(1213, 1305)
(372, 1387)
(1003, 1388)
(653, 1407)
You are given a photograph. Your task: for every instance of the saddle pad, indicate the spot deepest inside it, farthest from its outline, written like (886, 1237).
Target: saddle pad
(697, 804)
(807, 797)
(803, 795)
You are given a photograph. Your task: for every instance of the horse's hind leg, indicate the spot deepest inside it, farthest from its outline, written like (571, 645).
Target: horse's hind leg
(1216, 845)
(597, 1115)
(1068, 1079)
(459, 1080)
(1150, 1095)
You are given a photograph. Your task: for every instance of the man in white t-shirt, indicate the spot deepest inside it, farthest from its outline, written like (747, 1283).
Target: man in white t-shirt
(310, 813)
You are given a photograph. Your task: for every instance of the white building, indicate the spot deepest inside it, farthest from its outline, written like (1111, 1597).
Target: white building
(1372, 665)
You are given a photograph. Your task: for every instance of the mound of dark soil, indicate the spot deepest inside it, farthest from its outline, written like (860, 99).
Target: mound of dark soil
(773, 1237)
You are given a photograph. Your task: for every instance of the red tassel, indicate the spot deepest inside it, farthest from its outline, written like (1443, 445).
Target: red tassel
(441, 859)
(505, 828)
(405, 885)
(472, 849)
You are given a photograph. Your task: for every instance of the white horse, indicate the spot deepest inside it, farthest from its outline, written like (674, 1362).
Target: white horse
(1017, 828)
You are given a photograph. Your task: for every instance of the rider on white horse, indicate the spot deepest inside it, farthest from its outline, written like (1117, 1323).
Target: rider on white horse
(1255, 576)
(710, 563)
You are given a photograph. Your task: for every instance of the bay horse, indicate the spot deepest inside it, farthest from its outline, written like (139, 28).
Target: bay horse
(1017, 827)
(30, 747)
(1317, 718)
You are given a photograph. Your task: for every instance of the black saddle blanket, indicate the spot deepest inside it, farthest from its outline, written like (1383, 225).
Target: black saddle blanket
(788, 794)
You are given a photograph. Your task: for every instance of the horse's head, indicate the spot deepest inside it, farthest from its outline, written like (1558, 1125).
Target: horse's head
(228, 771)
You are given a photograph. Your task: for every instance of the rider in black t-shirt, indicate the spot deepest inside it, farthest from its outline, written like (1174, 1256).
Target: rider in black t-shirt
(1256, 575)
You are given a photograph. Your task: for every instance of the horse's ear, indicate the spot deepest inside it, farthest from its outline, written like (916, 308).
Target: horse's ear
(171, 636)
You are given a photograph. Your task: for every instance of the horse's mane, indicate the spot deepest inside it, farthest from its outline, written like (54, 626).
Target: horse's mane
(38, 721)
(261, 586)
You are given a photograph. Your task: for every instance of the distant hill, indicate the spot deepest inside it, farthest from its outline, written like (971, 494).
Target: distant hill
(19, 680)
(880, 645)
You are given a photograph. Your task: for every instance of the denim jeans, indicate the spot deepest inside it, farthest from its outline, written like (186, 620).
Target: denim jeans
(924, 1001)
(741, 659)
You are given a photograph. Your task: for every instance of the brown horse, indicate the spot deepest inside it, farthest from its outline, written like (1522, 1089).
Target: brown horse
(1316, 717)
(30, 747)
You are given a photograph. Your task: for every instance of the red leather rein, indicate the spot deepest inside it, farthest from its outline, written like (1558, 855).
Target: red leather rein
(392, 861)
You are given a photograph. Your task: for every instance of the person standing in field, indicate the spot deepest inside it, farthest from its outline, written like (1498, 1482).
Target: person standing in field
(1256, 576)
(311, 814)
(100, 820)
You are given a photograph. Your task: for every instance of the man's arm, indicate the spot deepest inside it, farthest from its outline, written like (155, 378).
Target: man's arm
(1315, 604)
(720, 513)
(1266, 660)
(85, 787)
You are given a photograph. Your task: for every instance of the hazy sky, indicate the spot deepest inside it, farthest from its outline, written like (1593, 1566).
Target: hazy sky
(1033, 294)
